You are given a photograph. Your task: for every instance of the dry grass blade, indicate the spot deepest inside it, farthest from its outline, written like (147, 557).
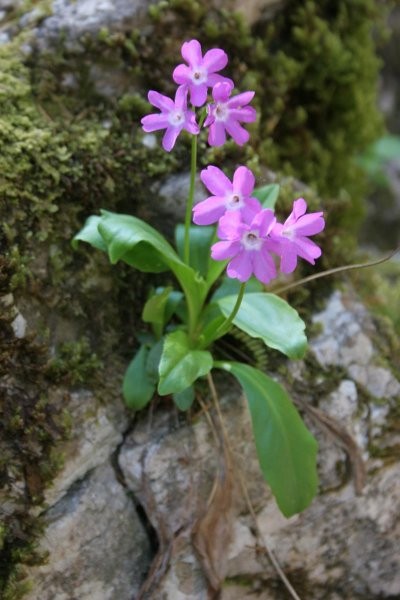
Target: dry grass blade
(346, 441)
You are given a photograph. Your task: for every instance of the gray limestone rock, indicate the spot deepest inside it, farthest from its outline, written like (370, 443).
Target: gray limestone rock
(75, 18)
(97, 431)
(97, 547)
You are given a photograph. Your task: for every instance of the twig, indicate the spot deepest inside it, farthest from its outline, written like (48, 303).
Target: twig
(260, 535)
(336, 270)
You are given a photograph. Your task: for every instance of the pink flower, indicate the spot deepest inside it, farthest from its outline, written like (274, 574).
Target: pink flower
(247, 246)
(228, 196)
(291, 237)
(174, 117)
(227, 113)
(201, 72)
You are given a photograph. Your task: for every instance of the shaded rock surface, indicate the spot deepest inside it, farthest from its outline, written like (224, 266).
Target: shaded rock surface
(97, 432)
(97, 547)
(87, 17)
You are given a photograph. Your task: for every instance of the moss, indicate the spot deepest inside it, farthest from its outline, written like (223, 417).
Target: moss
(30, 425)
(75, 363)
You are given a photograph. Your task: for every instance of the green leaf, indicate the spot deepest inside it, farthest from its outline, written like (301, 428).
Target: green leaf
(184, 400)
(376, 157)
(387, 147)
(201, 239)
(231, 287)
(180, 366)
(267, 195)
(174, 299)
(138, 387)
(154, 309)
(270, 318)
(215, 268)
(200, 242)
(123, 233)
(153, 361)
(138, 244)
(90, 234)
(286, 449)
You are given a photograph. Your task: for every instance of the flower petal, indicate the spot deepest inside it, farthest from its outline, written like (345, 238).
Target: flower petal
(241, 266)
(288, 257)
(169, 138)
(241, 99)
(248, 114)
(198, 94)
(216, 134)
(243, 181)
(231, 226)
(181, 97)
(190, 123)
(160, 101)
(191, 52)
(216, 181)
(264, 221)
(215, 60)
(182, 74)
(263, 265)
(210, 116)
(307, 249)
(251, 207)
(209, 211)
(236, 131)
(298, 210)
(214, 78)
(310, 224)
(299, 207)
(221, 91)
(225, 250)
(154, 122)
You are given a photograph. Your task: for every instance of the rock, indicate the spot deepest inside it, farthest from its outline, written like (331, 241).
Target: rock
(76, 18)
(19, 326)
(96, 432)
(97, 547)
(174, 193)
(9, 4)
(343, 546)
(90, 16)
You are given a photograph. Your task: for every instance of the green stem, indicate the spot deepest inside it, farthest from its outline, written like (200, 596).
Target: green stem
(226, 325)
(189, 205)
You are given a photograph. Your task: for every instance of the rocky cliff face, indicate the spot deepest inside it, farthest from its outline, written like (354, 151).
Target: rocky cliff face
(99, 548)
(97, 503)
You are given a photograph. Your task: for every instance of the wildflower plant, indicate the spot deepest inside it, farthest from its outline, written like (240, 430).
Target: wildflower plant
(235, 230)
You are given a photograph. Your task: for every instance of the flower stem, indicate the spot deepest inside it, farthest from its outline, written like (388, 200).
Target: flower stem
(189, 204)
(226, 325)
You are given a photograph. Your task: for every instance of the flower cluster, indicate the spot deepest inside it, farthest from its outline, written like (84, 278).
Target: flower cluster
(224, 115)
(250, 234)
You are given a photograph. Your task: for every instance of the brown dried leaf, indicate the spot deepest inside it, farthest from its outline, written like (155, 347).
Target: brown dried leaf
(212, 532)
